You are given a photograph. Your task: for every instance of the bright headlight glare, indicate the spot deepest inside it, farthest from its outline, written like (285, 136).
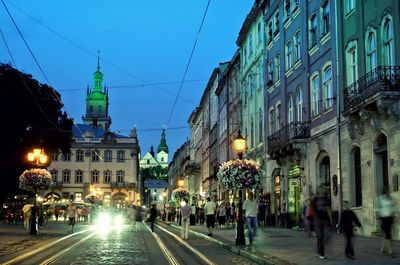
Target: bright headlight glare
(119, 220)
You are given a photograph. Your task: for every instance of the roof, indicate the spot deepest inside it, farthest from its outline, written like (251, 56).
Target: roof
(86, 130)
(251, 17)
(155, 183)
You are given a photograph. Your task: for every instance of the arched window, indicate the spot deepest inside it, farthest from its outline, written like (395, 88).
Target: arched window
(271, 121)
(297, 46)
(315, 94)
(388, 42)
(290, 109)
(277, 67)
(299, 104)
(371, 51)
(312, 30)
(328, 87)
(325, 11)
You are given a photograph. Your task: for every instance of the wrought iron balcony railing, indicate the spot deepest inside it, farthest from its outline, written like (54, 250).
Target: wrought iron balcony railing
(291, 131)
(119, 185)
(382, 78)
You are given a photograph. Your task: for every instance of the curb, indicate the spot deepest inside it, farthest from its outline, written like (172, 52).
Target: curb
(255, 256)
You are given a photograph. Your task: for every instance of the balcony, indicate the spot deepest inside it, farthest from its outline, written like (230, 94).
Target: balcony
(283, 141)
(191, 167)
(122, 185)
(370, 91)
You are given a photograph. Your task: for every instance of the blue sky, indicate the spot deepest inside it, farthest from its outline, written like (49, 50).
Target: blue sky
(141, 43)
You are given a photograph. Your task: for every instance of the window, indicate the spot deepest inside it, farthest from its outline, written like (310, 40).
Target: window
(327, 87)
(245, 94)
(66, 157)
(351, 64)
(269, 32)
(108, 156)
(120, 176)
(277, 67)
(299, 104)
(278, 116)
(350, 5)
(66, 176)
(260, 75)
(270, 73)
(259, 33)
(250, 43)
(162, 159)
(78, 176)
(251, 83)
(78, 196)
(120, 156)
(95, 176)
(315, 95)
(54, 175)
(388, 42)
(289, 51)
(276, 22)
(290, 109)
(148, 161)
(107, 176)
(79, 155)
(54, 157)
(371, 51)
(260, 126)
(95, 156)
(287, 9)
(312, 25)
(325, 9)
(271, 121)
(297, 46)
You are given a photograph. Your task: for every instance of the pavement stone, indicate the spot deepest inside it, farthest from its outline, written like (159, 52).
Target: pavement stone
(288, 246)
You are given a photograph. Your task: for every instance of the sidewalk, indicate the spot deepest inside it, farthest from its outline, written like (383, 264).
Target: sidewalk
(287, 246)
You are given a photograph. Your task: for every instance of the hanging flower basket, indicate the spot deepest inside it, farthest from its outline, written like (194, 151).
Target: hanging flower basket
(180, 194)
(239, 174)
(34, 178)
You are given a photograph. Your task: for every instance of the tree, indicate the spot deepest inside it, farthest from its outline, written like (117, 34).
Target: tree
(31, 116)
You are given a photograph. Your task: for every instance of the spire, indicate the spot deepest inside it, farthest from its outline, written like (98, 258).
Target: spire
(152, 151)
(98, 76)
(163, 143)
(98, 60)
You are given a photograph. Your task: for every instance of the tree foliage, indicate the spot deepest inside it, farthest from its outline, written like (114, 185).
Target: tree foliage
(31, 117)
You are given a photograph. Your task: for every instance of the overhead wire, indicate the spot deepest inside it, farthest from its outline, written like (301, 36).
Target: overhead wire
(189, 61)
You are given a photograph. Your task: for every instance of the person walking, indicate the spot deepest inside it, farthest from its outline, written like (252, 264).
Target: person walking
(71, 213)
(262, 207)
(201, 215)
(309, 218)
(57, 212)
(250, 212)
(192, 214)
(210, 215)
(27, 210)
(186, 211)
(153, 216)
(322, 218)
(221, 212)
(386, 209)
(347, 222)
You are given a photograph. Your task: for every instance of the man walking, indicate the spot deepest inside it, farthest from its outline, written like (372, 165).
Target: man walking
(210, 215)
(71, 213)
(153, 216)
(250, 212)
(185, 212)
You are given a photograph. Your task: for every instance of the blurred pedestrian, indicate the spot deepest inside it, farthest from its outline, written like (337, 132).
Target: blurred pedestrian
(233, 215)
(262, 207)
(57, 212)
(250, 212)
(309, 218)
(221, 212)
(210, 215)
(386, 211)
(71, 213)
(27, 211)
(186, 211)
(348, 222)
(153, 216)
(193, 214)
(201, 215)
(322, 219)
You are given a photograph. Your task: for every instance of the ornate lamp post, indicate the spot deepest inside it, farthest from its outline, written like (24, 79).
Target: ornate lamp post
(38, 158)
(239, 146)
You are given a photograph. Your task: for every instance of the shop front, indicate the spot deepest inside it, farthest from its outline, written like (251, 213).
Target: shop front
(294, 195)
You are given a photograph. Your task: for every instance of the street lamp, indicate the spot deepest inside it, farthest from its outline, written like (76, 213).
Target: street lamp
(239, 146)
(165, 198)
(39, 158)
(181, 182)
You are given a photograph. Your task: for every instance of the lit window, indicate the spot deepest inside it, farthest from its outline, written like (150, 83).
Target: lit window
(78, 196)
